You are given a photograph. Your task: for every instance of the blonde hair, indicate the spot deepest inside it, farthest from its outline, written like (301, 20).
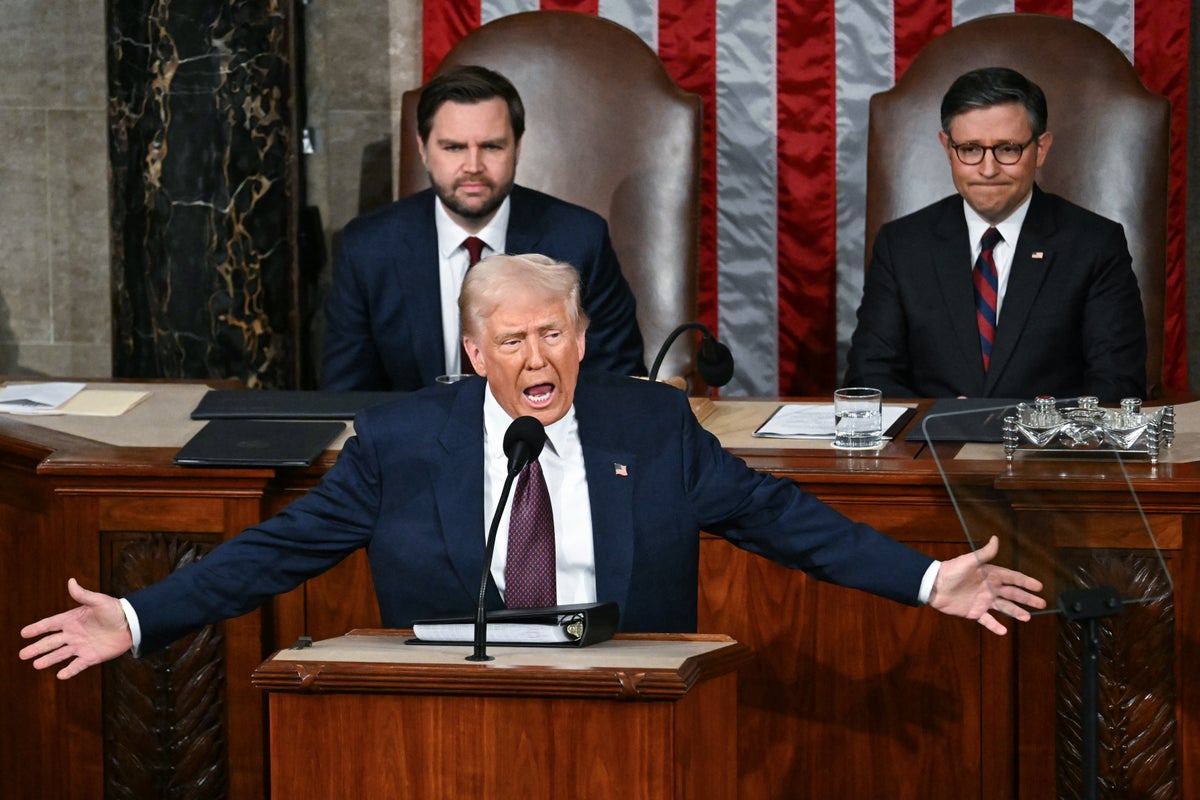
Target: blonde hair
(487, 283)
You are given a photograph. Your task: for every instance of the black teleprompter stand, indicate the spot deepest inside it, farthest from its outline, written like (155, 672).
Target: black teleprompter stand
(1087, 606)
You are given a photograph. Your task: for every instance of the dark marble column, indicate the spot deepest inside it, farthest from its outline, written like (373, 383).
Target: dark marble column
(203, 172)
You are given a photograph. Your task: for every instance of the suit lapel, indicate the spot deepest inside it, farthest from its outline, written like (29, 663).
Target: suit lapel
(421, 285)
(1025, 282)
(610, 494)
(524, 225)
(458, 488)
(952, 266)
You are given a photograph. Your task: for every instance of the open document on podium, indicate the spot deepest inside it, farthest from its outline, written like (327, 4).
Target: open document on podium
(575, 625)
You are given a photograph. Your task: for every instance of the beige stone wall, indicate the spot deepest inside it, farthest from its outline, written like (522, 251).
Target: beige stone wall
(360, 57)
(55, 316)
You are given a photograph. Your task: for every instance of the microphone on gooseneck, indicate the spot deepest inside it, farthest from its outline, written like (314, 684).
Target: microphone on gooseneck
(714, 362)
(523, 442)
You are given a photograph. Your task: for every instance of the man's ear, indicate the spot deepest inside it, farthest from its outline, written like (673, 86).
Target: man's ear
(421, 150)
(945, 140)
(475, 355)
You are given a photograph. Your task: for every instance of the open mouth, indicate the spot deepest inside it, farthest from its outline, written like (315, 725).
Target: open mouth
(539, 395)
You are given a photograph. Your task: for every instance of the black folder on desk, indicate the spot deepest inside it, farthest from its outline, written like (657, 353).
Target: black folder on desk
(258, 443)
(968, 419)
(286, 404)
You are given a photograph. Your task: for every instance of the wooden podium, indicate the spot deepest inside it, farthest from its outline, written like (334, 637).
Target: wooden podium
(640, 716)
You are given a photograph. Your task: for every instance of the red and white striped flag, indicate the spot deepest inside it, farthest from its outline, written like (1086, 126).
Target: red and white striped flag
(785, 86)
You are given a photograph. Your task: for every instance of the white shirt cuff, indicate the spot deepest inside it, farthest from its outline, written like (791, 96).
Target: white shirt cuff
(135, 630)
(926, 583)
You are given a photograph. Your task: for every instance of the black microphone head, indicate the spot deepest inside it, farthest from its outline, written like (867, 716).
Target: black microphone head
(523, 442)
(714, 362)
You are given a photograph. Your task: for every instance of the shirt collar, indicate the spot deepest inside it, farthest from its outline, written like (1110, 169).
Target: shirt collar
(1010, 227)
(450, 235)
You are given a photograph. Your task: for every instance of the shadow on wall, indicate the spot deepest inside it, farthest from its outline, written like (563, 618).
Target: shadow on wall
(10, 349)
(374, 191)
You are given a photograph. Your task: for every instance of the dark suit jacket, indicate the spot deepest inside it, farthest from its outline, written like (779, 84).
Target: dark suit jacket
(1071, 322)
(409, 488)
(383, 317)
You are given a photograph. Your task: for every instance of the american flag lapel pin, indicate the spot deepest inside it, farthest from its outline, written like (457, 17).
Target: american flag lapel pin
(1037, 255)
(620, 470)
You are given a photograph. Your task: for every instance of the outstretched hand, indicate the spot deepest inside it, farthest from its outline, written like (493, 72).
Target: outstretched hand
(970, 586)
(92, 633)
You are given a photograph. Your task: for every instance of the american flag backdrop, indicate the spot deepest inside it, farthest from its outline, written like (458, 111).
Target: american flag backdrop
(785, 87)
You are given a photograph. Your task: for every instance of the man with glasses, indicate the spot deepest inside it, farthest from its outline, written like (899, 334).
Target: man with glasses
(1001, 290)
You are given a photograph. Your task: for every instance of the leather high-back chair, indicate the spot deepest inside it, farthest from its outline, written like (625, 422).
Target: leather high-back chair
(1110, 137)
(607, 129)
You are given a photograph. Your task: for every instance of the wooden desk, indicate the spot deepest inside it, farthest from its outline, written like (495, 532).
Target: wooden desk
(847, 696)
(364, 715)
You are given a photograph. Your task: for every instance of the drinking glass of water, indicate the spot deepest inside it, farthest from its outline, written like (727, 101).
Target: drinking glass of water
(858, 418)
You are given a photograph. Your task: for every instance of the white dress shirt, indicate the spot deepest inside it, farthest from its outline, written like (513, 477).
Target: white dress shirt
(566, 480)
(1003, 252)
(453, 261)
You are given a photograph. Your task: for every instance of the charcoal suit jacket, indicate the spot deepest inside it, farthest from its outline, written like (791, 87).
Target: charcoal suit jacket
(1071, 322)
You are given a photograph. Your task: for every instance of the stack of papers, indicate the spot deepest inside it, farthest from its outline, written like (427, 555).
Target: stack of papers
(67, 398)
(814, 421)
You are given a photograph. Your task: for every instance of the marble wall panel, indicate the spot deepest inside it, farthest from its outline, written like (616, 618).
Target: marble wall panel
(203, 189)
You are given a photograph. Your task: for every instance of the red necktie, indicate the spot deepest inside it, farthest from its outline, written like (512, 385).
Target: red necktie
(986, 287)
(474, 247)
(529, 575)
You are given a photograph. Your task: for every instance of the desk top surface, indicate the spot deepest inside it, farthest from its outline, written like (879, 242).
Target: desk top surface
(149, 433)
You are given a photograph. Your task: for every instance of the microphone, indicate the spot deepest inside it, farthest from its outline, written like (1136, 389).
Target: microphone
(714, 362)
(523, 442)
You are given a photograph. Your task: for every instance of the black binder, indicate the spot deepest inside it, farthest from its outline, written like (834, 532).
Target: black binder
(258, 443)
(286, 404)
(577, 625)
(971, 419)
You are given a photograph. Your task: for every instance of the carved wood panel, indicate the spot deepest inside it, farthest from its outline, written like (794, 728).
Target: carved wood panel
(1137, 755)
(163, 714)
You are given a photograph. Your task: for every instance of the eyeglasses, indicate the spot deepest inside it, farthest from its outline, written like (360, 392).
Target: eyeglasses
(1006, 153)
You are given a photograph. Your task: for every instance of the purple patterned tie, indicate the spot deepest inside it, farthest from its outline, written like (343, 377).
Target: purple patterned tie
(529, 575)
(986, 287)
(474, 247)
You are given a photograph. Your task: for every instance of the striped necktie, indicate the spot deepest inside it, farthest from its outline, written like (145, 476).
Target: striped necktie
(986, 287)
(530, 579)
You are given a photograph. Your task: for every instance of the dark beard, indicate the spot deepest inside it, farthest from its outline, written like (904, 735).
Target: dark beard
(483, 212)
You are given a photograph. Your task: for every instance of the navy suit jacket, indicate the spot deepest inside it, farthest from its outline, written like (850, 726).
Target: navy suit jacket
(383, 316)
(409, 488)
(1071, 322)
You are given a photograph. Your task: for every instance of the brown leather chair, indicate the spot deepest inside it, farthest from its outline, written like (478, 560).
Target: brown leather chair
(1110, 137)
(609, 130)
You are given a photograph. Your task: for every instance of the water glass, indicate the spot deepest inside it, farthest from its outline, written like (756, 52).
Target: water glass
(858, 418)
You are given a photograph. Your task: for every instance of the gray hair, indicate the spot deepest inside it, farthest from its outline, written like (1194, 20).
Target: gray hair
(487, 283)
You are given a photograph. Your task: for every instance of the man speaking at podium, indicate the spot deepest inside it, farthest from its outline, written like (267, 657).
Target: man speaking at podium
(626, 481)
